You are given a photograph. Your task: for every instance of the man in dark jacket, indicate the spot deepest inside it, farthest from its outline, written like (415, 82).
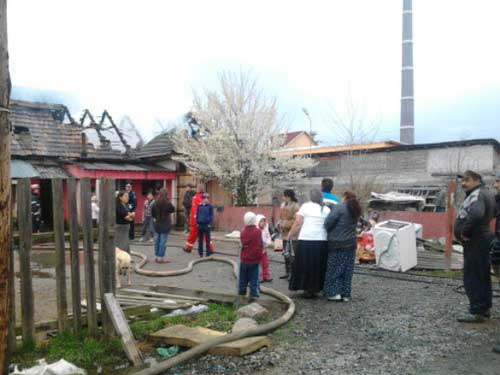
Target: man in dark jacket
(472, 229)
(36, 209)
(204, 219)
(495, 245)
(186, 203)
(132, 206)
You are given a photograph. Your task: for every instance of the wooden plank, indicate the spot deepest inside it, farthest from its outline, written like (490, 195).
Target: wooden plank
(51, 325)
(164, 295)
(11, 328)
(199, 293)
(24, 223)
(88, 254)
(121, 326)
(58, 218)
(75, 259)
(192, 336)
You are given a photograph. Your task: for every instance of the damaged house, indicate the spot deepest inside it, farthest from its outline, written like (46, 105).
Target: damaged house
(47, 143)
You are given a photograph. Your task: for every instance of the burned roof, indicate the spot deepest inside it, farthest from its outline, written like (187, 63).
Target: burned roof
(160, 146)
(43, 129)
(48, 130)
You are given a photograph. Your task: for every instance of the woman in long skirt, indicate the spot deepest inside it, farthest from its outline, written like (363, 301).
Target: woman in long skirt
(341, 226)
(308, 269)
(123, 219)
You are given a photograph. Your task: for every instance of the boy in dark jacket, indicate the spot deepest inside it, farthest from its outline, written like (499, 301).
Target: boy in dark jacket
(252, 250)
(204, 218)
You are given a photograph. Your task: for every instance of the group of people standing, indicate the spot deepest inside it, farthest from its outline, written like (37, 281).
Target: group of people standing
(319, 240)
(157, 220)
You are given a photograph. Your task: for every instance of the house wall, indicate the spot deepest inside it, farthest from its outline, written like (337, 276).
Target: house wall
(389, 169)
(302, 140)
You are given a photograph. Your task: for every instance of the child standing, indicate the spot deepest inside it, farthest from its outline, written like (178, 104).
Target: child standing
(250, 257)
(204, 218)
(265, 276)
(147, 219)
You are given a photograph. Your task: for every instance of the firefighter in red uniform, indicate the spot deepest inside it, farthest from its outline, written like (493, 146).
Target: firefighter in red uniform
(193, 229)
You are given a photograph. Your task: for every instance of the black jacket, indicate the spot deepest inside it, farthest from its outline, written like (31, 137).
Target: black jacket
(475, 214)
(161, 217)
(132, 201)
(187, 202)
(341, 226)
(497, 222)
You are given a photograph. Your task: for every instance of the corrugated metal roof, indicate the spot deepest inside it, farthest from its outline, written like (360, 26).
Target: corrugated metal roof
(122, 167)
(22, 169)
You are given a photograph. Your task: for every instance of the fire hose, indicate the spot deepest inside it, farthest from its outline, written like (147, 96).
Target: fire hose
(204, 347)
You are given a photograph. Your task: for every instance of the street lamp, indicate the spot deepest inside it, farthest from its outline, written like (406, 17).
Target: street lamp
(306, 112)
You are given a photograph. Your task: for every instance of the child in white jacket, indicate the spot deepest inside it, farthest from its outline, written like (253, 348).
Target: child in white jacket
(262, 224)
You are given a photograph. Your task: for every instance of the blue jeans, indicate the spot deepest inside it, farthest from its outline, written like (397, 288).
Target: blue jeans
(249, 273)
(160, 244)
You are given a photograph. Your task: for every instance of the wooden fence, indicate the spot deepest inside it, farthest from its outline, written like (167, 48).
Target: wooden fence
(106, 259)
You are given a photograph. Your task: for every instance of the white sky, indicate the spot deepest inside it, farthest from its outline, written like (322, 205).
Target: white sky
(144, 58)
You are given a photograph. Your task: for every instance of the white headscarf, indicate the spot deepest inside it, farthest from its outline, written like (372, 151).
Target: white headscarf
(249, 218)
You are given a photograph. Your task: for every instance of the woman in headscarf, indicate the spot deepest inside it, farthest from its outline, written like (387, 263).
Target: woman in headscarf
(289, 208)
(341, 227)
(308, 269)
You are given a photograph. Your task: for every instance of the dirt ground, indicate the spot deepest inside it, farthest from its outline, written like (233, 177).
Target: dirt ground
(390, 327)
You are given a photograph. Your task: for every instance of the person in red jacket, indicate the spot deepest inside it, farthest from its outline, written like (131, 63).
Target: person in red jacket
(193, 229)
(252, 250)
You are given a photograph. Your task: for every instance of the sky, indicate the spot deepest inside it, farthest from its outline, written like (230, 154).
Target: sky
(144, 59)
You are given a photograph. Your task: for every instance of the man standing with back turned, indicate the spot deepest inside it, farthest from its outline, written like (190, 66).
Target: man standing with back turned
(472, 229)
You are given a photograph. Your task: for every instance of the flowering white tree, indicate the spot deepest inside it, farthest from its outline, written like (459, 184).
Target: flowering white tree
(237, 134)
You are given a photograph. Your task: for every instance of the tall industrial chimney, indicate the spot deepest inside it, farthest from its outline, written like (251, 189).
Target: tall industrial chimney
(407, 124)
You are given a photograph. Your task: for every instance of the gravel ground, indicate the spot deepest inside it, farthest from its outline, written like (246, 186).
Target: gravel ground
(389, 327)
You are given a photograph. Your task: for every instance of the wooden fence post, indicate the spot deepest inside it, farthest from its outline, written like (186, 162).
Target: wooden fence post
(105, 278)
(11, 328)
(5, 187)
(58, 215)
(88, 249)
(75, 256)
(450, 220)
(25, 229)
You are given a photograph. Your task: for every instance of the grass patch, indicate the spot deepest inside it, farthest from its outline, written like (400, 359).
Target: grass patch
(219, 317)
(79, 349)
(287, 333)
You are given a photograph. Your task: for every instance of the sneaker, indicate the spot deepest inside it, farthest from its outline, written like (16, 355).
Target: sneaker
(346, 299)
(267, 280)
(253, 299)
(284, 277)
(186, 250)
(472, 318)
(335, 298)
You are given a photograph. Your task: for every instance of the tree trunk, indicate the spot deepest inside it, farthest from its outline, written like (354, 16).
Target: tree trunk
(4, 182)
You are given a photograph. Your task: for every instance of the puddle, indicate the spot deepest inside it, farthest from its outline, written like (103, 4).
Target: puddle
(46, 259)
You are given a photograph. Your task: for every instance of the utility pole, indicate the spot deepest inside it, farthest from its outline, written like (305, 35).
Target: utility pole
(306, 112)
(5, 229)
